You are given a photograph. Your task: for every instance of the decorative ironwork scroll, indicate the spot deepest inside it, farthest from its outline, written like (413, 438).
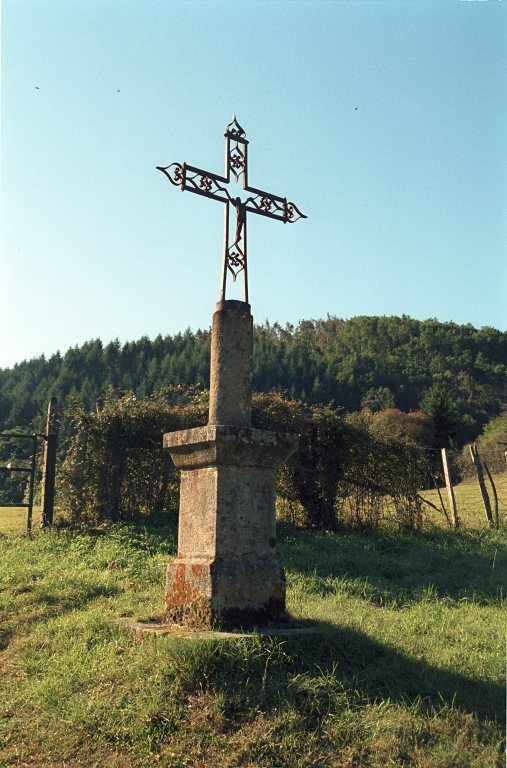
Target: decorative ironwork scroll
(188, 177)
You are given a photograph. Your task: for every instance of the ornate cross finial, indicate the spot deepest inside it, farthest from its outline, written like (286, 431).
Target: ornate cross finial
(187, 177)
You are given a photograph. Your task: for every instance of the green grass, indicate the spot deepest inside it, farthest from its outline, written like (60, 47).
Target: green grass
(406, 671)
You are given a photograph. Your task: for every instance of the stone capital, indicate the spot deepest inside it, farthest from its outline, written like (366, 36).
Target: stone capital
(229, 445)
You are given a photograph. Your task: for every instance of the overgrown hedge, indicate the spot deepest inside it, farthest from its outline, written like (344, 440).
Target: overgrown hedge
(355, 470)
(126, 472)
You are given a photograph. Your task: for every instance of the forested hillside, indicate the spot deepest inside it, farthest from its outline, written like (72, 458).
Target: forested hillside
(379, 362)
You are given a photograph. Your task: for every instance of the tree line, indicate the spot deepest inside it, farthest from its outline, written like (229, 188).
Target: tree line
(373, 363)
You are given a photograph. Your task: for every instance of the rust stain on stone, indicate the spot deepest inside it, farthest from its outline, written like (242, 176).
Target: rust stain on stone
(195, 614)
(197, 569)
(182, 592)
(252, 593)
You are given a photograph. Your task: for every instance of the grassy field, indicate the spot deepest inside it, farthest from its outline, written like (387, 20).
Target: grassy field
(469, 502)
(407, 669)
(13, 519)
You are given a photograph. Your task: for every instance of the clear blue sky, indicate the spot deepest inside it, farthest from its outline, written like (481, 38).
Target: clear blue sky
(385, 122)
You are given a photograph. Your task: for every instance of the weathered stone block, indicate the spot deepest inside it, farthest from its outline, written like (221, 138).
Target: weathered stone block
(227, 525)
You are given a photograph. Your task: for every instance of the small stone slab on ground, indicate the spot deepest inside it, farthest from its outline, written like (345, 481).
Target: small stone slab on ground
(156, 629)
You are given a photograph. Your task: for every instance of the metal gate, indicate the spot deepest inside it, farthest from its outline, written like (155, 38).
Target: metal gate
(30, 470)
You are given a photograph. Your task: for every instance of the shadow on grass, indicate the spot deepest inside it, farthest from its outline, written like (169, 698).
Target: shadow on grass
(78, 600)
(326, 673)
(381, 672)
(5, 637)
(39, 606)
(454, 563)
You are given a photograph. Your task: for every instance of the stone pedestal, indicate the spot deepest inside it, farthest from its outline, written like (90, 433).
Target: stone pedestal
(226, 568)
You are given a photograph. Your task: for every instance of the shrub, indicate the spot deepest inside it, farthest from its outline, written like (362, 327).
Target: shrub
(352, 471)
(126, 472)
(387, 468)
(311, 476)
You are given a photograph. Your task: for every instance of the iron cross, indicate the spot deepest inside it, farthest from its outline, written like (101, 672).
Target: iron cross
(211, 185)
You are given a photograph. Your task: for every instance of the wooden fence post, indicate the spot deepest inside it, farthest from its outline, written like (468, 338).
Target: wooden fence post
(495, 495)
(450, 491)
(79, 471)
(474, 453)
(47, 498)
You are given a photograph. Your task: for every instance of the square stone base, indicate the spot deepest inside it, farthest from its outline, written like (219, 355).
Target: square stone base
(232, 592)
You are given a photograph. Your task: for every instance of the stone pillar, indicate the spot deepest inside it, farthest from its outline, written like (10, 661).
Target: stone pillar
(226, 568)
(231, 364)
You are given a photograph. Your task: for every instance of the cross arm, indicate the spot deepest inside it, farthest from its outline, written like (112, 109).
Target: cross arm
(272, 206)
(193, 179)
